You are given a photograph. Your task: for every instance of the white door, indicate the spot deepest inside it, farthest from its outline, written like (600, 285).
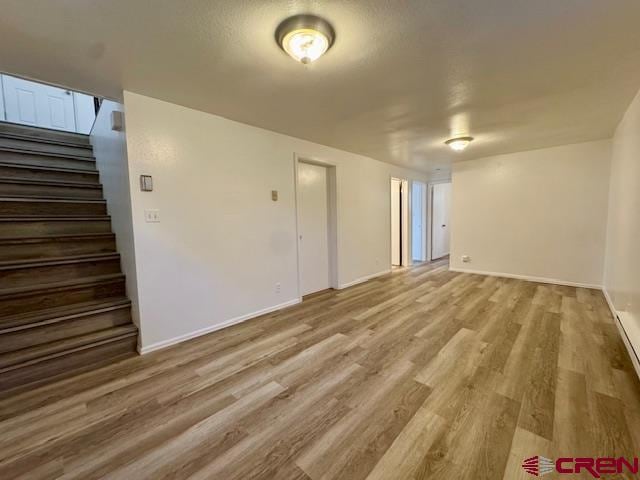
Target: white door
(441, 202)
(418, 230)
(396, 222)
(31, 103)
(313, 226)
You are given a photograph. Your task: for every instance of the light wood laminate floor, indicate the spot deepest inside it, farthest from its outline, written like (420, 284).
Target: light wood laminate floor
(422, 373)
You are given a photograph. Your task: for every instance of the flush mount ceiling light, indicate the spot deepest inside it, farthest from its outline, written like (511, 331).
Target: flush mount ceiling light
(459, 143)
(305, 37)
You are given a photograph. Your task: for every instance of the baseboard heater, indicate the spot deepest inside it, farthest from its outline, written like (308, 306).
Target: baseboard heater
(629, 344)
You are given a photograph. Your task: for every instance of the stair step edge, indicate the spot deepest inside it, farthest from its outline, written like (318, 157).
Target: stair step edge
(43, 153)
(50, 197)
(52, 238)
(49, 183)
(26, 166)
(54, 218)
(65, 285)
(11, 198)
(64, 310)
(6, 126)
(45, 140)
(122, 333)
(43, 262)
(41, 320)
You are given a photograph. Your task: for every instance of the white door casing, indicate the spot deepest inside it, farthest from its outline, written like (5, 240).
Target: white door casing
(313, 228)
(406, 223)
(441, 205)
(1, 100)
(395, 222)
(418, 213)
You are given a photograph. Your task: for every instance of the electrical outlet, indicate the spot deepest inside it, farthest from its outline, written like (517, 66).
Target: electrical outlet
(152, 216)
(466, 259)
(278, 287)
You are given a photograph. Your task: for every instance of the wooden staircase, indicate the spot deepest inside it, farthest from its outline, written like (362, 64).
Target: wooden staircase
(63, 306)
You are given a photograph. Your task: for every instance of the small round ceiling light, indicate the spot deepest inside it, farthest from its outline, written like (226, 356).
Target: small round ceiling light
(305, 37)
(459, 143)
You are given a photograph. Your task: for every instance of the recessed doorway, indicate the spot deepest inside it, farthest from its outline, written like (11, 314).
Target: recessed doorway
(440, 230)
(316, 223)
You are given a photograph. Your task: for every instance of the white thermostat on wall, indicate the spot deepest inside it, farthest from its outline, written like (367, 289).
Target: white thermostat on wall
(146, 183)
(117, 121)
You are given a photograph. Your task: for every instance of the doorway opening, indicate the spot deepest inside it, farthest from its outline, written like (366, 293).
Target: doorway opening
(316, 210)
(36, 104)
(418, 221)
(440, 211)
(400, 256)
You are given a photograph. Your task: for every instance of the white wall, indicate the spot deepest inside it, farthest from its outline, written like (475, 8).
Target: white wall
(222, 244)
(109, 148)
(539, 213)
(622, 265)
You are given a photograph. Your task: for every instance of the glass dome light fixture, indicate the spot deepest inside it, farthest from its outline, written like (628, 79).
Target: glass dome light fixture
(305, 37)
(459, 143)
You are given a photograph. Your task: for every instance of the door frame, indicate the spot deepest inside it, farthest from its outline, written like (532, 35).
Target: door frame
(332, 216)
(405, 221)
(424, 186)
(430, 216)
(3, 113)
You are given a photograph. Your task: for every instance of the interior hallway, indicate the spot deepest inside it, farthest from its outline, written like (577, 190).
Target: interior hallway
(422, 373)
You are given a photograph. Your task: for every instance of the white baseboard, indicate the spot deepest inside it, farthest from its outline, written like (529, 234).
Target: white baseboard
(363, 279)
(529, 278)
(203, 331)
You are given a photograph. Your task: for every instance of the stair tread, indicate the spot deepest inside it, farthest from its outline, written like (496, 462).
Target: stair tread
(61, 284)
(50, 197)
(48, 168)
(53, 218)
(51, 238)
(49, 183)
(11, 198)
(45, 153)
(45, 140)
(56, 314)
(17, 359)
(40, 132)
(41, 262)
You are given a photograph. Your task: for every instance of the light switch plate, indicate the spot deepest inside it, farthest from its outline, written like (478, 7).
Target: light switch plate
(152, 216)
(146, 183)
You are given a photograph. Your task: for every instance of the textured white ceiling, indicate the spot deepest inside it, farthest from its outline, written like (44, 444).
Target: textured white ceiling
(401, 78)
